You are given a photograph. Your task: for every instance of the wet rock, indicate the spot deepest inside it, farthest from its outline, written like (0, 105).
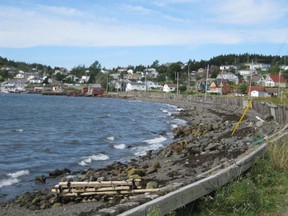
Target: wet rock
(59, 172)
(40, 179)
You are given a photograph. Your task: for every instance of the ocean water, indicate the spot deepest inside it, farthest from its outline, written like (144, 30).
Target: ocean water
(39, 134)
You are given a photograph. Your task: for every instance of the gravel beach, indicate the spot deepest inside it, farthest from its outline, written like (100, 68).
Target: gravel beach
(205, 142)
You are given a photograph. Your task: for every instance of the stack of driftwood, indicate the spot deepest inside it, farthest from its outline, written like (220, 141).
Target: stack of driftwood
(93, 188)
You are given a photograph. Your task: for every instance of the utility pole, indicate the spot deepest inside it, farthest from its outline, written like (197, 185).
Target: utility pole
(107, 86)
(188, 77)
(251, 71)
(279, 90)
(177, 77)
(206, 83)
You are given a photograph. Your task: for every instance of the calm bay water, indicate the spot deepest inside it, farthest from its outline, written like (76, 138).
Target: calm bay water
(39, 134)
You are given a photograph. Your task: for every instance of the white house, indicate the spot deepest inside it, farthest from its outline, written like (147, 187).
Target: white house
(34, 80)
(130, 71)
(20, 76)
(273, 80)
(135, 86)
(228, 76)
(151, 72)
(247, 72)
(256, 93)
(258, 66)
(169, 87)
(227, 67)
(84, 79)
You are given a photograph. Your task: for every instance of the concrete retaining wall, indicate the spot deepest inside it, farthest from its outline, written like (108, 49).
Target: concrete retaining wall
(216, 178)
(189, 193)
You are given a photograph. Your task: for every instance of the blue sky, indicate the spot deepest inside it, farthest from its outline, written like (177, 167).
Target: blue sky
(132, 32)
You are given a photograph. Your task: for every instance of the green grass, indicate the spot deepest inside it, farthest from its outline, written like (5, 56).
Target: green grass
(262, 191)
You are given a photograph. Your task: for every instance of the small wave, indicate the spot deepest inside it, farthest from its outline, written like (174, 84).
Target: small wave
(18, 173)
(142, 150)
(91, 158)
(20, 130)
(179, 121)
(155, 140)
(119, 146)
(8, 182)
(174, 126)
(13, 178)
(179, 109)
(111, 138)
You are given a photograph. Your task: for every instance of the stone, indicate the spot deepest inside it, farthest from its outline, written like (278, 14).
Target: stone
(152, 185)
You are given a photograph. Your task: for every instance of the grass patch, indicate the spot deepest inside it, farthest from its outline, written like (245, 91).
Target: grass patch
(262, 191)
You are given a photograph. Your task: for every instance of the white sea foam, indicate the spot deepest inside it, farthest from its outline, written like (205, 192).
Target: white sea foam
(174, 126)
(142, 150)
(13, 178)
(179, 109)
(8, 182)
(111, 138)
(95, 157)
(20, 130)
(179, 121)
(18, 173)
(156, 140)
(119, 146)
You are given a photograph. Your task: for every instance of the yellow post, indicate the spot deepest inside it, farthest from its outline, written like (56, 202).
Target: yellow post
(245, 111)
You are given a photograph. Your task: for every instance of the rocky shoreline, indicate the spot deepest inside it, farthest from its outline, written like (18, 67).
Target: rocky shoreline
(204, 143)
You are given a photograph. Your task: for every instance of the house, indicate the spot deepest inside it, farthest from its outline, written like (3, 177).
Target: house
(34, 80)
(84, 79)
(130, 71)
(273, 80)
(201, 84)
(93, 90)
(259, 80)
(256, 91)
(169, 87)
(220, 86)
(13, 85)
(228, 76)
(227, 67)
(153, 85)
(258, 66)
(151, 72)
(272, 91)
(133, 86)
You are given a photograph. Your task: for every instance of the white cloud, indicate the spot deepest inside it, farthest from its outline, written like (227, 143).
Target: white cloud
(140, 9)
(30, 28)
(248, 12)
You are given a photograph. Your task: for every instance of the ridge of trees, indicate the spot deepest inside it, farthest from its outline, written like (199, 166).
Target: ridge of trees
(165, 70)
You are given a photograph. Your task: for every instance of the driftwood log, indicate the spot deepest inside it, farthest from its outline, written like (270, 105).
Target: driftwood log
(94, 188)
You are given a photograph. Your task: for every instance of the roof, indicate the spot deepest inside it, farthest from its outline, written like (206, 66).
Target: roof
(271, 90)
(256, 88)
(278, 78)
(171, 85)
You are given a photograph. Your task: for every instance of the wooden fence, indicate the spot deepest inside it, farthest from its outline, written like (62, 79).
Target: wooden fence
(265, 109)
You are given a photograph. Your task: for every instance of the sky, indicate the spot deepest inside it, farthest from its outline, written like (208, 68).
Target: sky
(119, 33)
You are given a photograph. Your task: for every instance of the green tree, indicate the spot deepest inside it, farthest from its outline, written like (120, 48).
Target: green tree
(59, 76)
(78, 71)
(243, 88)
(94, 70)
(173, 70)
(155, 64)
